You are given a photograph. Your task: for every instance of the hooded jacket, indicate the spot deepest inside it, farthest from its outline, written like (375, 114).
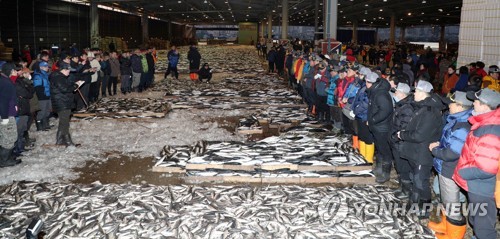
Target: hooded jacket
(380, 106)
(424, 128)
(42, 85)
(61, 90)
(491, 83)
(173, 58)
(331, 90)
(450, 145)
(478, 164)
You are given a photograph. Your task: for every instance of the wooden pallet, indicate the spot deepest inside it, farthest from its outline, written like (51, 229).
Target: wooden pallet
(277, 180)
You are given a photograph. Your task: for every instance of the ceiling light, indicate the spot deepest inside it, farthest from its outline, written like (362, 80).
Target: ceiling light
(441, 10)
(424, 1)
(385, 0)
(366, 5)
(205, 1)
(161, 5)
(381, 10)
(249, 7)
(409, 14)
(179, 1)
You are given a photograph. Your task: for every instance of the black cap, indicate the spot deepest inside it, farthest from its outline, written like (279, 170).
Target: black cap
(8, 67)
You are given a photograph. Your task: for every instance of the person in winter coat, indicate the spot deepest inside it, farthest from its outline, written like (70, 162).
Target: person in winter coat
(401, 116)
(8, 112)
(335, 111)
(205, 73)
(24, 92)
(379, 121)
(360, 111)
(478, 164)
(280, 60)
(446, 154)
(321, 86)
(95, 63)
(42, 89)
(145, 71)
(289, 68)
(408, 71)
(463, 79)
(423, 72)
(136, 65)
(106, 72)
(424, 128)
(450, 80)
(480, 69)
(492, 80)
(114, 65)
(474, 84)
(61, 90)
(173, 59)
(194, 58)
(126, 73)
(343, 98)
(271, 59)
(151, 68)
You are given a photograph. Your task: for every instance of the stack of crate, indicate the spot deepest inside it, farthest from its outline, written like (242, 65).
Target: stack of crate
(5, 52)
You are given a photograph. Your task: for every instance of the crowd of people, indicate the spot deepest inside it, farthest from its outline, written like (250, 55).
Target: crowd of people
(32, 91)
(398, 116)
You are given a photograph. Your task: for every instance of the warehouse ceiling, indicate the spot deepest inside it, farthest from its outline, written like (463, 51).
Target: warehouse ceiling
(374, 13)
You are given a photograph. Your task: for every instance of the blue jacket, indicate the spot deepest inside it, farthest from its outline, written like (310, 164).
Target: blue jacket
(42, 85)
(331, 90)
(450, 145)
(461, 83)
(360, 104)
(322, 85)
(173, 58)
(352, 90)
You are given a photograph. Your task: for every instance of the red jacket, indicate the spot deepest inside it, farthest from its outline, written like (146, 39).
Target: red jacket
(478, 164)
(481, 72)
(342, 88)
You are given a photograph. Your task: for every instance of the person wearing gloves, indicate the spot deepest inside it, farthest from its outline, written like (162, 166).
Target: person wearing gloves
(423, 128)
(360, 112)
(478, 164)
(61, 90)
(379, 122)
(403, 112)
(446, 154)
(8, 112)
(42, 89)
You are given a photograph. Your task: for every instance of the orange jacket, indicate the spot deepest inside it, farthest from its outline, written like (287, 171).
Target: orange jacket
(449, 83)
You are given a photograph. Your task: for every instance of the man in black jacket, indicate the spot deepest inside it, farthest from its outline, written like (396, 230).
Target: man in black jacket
(151, 68)
(8, 105)
(423, 129)
(61, 90)
(194, 58)
(205, 73)
(379, 122)
(125, 73)
(403, 112)
(25, 91)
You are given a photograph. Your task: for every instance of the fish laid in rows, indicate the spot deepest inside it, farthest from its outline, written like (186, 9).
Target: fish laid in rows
(187, 211)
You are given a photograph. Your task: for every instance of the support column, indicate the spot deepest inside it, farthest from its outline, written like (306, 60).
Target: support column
(442, 41)
(479, 43)
(392, 38)
(316, 19)
(94, 25)
(376, 36)
(270, 26)
(403, 34)
(261, 29)
(354, 31)
(169, 30)
(284, 19)
(145, 28)
(331, 10)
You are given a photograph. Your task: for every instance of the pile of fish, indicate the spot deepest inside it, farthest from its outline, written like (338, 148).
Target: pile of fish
(126, 108)
(228, 59)
(147, 211)
(290, 148)
(229, 103)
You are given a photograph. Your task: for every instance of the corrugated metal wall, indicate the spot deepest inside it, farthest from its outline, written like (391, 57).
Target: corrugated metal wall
(42, 23)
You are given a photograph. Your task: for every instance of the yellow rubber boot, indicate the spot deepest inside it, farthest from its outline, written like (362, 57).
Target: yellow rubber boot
(362, 148)
(438, 227)
(370, 152)
(355, 143)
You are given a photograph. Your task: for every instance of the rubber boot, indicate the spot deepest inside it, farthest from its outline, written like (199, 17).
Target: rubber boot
(46, 124)
(67, 140)
(30, 142)
(369, 152)
(385, 174)
(424, 208)
(7, 158)
(39, 125)
(454, 229)
(60, 139)
(405, 191)
(362, 148)
(438, 227)
(355, 142)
